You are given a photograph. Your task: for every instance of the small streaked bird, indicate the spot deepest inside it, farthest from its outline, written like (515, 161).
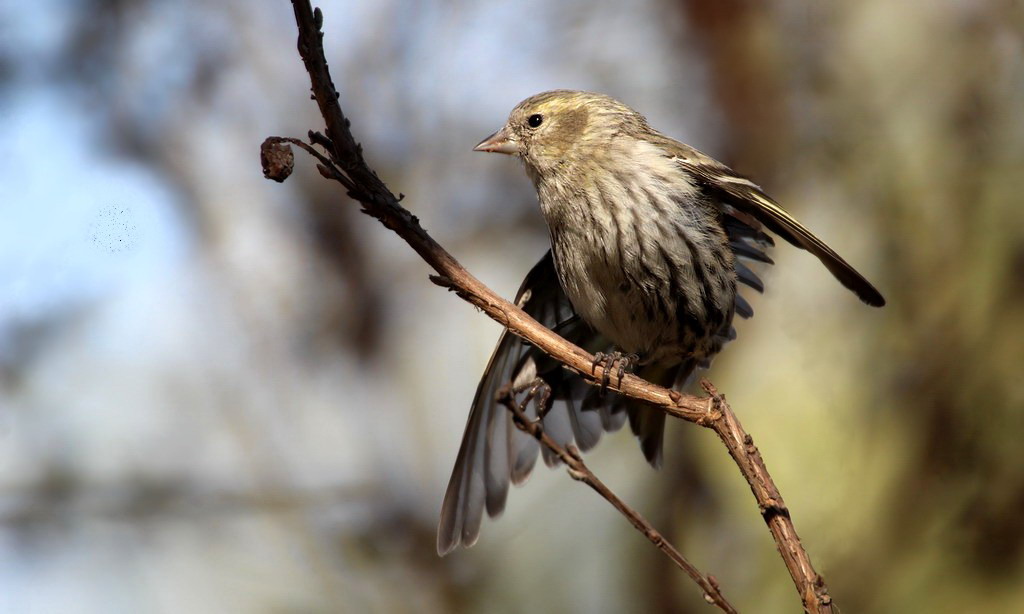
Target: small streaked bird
(649, 239)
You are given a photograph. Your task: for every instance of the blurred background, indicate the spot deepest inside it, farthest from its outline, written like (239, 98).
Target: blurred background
(221, 394)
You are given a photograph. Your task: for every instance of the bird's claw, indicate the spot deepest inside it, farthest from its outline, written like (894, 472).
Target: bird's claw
(621, 363)
(540, 393)
(537, 390)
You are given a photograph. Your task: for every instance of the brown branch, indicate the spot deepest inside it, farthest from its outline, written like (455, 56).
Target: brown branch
(579, 471)
(349, 168)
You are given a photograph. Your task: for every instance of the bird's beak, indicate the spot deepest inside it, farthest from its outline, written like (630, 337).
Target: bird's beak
(499, 142)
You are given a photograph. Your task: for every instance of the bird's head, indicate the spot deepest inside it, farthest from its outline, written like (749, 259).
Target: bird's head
(556, 129)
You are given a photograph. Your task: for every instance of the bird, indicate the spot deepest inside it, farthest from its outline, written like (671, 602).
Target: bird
(650, 239)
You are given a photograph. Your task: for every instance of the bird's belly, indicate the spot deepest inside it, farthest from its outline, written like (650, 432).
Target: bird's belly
(630, 326)
(637, 302)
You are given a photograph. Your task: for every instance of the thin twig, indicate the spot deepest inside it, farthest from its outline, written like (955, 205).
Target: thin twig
(363, 185)
(809, 583)
(579, 471)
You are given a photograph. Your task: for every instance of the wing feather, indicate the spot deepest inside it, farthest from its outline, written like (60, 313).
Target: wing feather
(494, 453)
(747, 197)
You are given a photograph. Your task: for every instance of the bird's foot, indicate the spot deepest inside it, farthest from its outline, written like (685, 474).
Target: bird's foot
(615, 361)
(540, 393)
(537, 391)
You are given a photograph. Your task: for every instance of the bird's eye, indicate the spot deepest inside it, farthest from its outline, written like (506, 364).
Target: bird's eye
(535, 120)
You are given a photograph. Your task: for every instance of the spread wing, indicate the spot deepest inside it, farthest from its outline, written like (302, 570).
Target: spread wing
(494, 452)
(725, 186)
